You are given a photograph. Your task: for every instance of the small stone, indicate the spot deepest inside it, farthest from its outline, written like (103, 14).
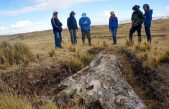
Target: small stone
(121, 100)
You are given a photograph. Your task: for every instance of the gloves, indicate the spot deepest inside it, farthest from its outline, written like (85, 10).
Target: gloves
(135, 24)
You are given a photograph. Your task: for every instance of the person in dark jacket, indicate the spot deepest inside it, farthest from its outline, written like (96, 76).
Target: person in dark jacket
(137, 20)
(85, 23)
(147, 21)
(72, 26)
(113, 26)
(57, 29)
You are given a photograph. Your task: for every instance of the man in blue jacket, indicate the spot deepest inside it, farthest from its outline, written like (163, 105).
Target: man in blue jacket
(57, 29)
(72, 26)
(147, 21)
(85, 23)
(113, 26)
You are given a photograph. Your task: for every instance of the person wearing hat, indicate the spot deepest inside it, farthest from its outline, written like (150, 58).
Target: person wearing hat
(147, 21)
(57, 29)
(137, 20)
(72, 26)
(85, 23)
(113, 26)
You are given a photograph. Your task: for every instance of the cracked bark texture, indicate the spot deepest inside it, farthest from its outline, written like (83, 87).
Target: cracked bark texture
(100, 82)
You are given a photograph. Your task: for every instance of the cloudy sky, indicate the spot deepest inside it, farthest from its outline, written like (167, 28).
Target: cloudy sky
(18, 16)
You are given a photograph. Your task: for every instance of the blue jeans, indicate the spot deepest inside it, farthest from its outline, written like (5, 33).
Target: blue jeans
(114, 36)
(73, 36)
(148, 32)
(58, 39)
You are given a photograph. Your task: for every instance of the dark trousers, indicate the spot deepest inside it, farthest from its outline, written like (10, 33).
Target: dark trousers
(73, 36)
(58, 39)
(133, 29)
(84, 34)
(114, 36)
(148, 32)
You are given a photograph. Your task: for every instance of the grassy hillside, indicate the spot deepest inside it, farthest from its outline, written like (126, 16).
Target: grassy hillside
(32, 56)
(42, 43)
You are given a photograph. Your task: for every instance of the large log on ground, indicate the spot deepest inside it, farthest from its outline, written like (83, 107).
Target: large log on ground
(102, 84)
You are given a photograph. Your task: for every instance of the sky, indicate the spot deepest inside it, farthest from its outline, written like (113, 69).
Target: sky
(20, 16)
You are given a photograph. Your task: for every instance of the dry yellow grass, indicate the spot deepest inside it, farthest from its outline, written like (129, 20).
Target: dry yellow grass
(49, 105)
(14, 53)
(75, 64)
(41, 45)
(13, 101)
(86, 58)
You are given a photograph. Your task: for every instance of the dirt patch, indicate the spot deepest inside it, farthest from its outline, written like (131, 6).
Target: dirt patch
(42, 81)
(154, 84)
(39, 81)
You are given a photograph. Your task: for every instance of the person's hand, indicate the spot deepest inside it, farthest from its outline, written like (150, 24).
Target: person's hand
(135, 24)
(84, 23)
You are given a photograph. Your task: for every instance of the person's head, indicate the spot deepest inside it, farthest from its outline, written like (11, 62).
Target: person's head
(112, 14)
(136, 8)
(146, 7)
(72, 13)
(83, 15)
(55, 14)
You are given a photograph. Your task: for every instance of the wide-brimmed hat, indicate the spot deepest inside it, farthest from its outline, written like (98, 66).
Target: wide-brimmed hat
(112, 13)
(55, 13)
(72, 12)
(136, 7)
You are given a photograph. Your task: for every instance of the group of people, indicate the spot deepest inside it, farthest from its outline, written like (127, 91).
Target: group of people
(84, 22)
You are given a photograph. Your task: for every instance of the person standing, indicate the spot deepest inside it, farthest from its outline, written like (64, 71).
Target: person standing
(147, 21)
(113, 26)
(85, 23)
(72, 26)
(137, 20)
(57, 29)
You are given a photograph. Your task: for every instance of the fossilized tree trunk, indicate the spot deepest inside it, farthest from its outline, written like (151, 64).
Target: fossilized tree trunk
(102, 83)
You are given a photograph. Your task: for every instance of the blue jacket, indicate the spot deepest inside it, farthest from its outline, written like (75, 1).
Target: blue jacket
(72, 23)
(148, 17)
(85, 27)
(113, 23)
(56, 24)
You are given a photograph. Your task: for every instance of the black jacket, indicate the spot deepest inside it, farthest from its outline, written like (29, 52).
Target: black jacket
(137, 17)
(72, 23)
(56, 24)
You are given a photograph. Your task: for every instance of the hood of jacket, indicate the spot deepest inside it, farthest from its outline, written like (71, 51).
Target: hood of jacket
(148, 17)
